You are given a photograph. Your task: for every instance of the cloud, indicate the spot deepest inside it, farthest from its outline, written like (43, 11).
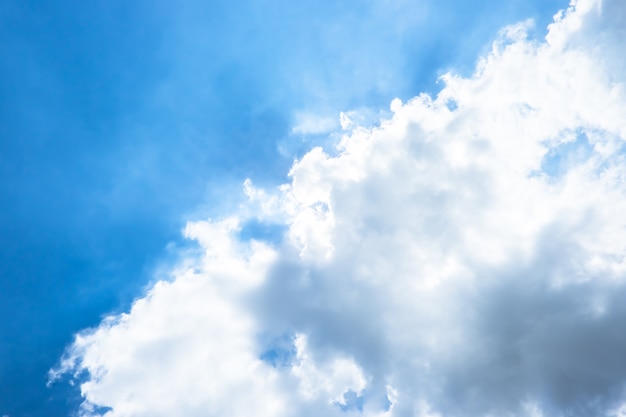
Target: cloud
(465, 257)
(311, 124)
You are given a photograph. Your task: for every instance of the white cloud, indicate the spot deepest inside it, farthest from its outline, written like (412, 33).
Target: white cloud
(463, 258)
(313, 124)
(332, 380)
(184, 347)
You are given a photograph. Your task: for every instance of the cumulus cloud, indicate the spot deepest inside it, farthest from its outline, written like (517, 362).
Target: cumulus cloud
(465, 257)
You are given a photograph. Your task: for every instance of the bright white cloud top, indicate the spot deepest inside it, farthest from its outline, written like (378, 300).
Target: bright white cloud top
(465, 257)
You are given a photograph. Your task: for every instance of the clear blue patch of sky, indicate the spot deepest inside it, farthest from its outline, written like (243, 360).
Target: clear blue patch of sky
(278, 351)
(561, 158)
(119, 120)
(352, 401)
(271, 233)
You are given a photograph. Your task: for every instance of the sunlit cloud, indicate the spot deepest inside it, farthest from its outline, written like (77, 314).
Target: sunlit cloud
(462, 257)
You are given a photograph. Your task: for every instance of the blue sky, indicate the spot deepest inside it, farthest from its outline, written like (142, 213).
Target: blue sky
(122, 121)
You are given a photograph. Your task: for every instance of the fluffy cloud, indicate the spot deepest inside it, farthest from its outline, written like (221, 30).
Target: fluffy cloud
(466, 257)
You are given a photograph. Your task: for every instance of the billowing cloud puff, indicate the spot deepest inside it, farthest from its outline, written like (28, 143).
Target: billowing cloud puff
(465, 257)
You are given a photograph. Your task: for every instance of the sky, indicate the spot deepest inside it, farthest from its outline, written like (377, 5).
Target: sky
(383, 208)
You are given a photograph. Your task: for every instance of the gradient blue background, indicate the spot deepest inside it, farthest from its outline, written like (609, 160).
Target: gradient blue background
(121, 120)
